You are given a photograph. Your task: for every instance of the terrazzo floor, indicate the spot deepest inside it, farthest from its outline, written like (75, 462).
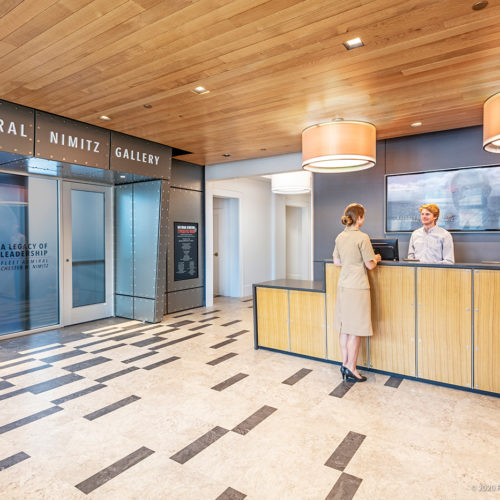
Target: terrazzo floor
(188, 409)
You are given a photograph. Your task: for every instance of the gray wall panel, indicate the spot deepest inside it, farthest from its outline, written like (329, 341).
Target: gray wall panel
(185, 299)
(185, 206)
(187, 175)
(436, 151)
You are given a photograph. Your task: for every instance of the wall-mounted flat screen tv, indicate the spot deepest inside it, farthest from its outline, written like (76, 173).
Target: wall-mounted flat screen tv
(468, 199)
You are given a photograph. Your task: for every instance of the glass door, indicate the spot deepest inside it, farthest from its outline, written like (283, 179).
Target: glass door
(87, 253)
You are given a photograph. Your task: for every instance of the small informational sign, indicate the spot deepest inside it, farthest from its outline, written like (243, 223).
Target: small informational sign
(16, 128)
(61, 139)
(185, 250)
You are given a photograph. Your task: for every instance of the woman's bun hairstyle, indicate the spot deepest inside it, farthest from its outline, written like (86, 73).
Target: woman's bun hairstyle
(347, 220)
(352, 213)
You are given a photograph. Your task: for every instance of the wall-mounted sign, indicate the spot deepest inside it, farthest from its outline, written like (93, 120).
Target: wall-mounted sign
(61, 139)
(138, 156)
(16, 128)
(185, 250)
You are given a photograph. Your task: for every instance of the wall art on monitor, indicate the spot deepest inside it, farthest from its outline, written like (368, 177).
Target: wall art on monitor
(468, 199)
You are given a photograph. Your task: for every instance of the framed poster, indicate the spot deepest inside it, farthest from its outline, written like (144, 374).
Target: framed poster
(185, 250)
(468, 199)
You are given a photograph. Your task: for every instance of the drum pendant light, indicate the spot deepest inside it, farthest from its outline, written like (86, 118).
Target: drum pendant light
(339, 146)
(491, 124)
(291, 183)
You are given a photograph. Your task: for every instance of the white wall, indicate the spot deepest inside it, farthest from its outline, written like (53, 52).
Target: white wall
(280, 234)
(255, 252)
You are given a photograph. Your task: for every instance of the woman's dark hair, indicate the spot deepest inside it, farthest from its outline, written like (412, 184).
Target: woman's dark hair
(352, 213)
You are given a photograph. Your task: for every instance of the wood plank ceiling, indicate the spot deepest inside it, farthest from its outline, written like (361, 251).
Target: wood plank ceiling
(273, 67)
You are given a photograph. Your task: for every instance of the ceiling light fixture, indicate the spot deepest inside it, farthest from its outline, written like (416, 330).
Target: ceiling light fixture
(291, 183)
(353, 44)
(200, 90)
(339, 146)
(105, 118)
(416, 124)
(480, 5)
(148, 106)
(491, 124)
(226, 155)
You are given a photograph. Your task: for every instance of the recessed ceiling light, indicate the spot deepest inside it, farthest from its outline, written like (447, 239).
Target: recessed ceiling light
(416, 124)
(122, 177)
(480, 5)
(105, 118)
(200, 90)
(148, 106)
(353, 44)
(226, 155)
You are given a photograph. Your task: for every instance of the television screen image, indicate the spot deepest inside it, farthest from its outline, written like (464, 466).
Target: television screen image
(387, 248)
(468, 199)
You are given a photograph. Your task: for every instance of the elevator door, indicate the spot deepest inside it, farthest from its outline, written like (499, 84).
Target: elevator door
(87, 252)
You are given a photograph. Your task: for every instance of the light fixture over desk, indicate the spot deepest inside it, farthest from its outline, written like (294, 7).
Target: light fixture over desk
(339, 146)
(491, 124)
(291, 183)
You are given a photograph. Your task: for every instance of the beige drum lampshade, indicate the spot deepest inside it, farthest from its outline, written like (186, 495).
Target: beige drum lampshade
(491, 124)
(339, 146)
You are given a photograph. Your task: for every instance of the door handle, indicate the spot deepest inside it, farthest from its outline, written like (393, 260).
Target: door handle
(216, 254)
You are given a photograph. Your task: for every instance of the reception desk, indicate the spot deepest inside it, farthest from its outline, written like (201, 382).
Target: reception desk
(438, 323)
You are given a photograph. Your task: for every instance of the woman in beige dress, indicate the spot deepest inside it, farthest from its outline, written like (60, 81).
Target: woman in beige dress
(354, 253)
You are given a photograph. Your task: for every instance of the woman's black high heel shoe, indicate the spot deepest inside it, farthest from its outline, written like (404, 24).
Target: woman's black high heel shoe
(349, 375)
(342, 371)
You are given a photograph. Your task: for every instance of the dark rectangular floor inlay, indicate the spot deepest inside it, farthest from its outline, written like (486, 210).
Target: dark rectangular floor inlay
(182, 315)
(231, 494)
(176, 341)
(145, 342)
(199, 327)
(126, 336)
(113, 470)
(28, 420)
(210, 312)
(297, 376)
(223, 343)
(78, 394)
(64, 355)
(208, 319)
(13, 460)
(222, 358)
(199, 445)
(116, 374)
(394, 382)
(95, 342)
(232, 322)
(161, 363)
(24, 372)
(15, 363)
(181, 323)
(253, 420)
(342, 389)
(52, 384)
(114, 332)
(111, 407)
(345, 488)
(103, 349)
(237, 334)
(4, 384)
(86, 364)
(12, 394)
(229, 382)
(345, 451)
(141, 356)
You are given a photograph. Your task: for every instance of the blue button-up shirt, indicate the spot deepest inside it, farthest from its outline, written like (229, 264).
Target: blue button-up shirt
(434, 246)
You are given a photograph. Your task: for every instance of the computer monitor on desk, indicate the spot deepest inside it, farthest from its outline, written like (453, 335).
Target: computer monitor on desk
(387, 248)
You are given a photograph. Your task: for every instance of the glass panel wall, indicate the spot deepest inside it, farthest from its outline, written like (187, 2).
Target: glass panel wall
(88, 250)
(29, 253)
